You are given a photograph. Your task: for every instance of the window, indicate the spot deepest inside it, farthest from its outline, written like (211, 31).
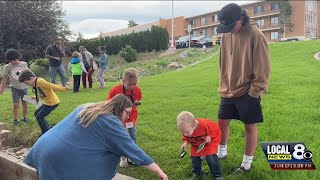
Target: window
(274, 21)
(258, 9)
(203, 21)
(260, 23)
(202, 32)
(275, 36)
(192, 32)
(192, 22)
(214, 30)
(274, 6)
(215, 18)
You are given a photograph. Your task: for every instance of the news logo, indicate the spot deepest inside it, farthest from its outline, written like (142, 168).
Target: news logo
(288, 155)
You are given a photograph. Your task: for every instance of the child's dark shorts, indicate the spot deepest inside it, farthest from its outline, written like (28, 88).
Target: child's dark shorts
(244, 108)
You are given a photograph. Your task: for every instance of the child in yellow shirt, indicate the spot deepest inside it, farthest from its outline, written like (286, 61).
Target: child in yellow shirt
(45, 91)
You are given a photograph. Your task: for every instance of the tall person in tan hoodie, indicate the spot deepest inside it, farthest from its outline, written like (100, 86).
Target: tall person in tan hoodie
(244, 75)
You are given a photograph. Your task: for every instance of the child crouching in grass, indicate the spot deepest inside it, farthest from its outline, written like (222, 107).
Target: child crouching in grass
(45, 91)
(196, 131)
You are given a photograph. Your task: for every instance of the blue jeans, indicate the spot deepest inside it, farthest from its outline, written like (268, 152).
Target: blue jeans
(41, 113)
(213, 163)
(133, 133)
(53, 70)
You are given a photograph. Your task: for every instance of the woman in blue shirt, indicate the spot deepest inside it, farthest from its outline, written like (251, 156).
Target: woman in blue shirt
(103, 63)
(88, 144)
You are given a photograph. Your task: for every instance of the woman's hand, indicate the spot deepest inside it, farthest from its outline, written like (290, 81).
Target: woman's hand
(162, 176)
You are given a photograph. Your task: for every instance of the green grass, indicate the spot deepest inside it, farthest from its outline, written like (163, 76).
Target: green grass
(291, 113)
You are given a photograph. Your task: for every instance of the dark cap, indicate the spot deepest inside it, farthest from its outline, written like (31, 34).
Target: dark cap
(228, 17)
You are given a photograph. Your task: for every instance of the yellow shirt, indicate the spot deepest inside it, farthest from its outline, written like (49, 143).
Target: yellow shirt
(46, 93)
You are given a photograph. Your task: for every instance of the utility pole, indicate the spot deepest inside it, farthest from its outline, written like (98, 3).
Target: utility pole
(172, 37)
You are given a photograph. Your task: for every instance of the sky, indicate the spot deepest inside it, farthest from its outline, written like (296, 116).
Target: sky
(92, 17)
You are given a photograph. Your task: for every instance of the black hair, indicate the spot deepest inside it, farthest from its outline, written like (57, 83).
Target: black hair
(102, 48)
(26, 75)
(12, 54)
(245, 18)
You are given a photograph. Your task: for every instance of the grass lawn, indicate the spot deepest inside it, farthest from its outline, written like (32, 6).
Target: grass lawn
(291, 113)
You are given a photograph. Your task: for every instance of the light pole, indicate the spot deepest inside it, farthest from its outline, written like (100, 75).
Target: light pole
(172, 37)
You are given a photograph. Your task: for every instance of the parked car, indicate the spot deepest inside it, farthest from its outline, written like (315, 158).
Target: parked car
(183, 42)
(195, 41)
(207, 41)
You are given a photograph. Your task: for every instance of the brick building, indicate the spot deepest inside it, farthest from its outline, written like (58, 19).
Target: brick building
(305, 17)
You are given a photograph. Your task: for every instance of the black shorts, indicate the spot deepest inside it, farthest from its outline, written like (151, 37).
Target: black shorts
(244, 108)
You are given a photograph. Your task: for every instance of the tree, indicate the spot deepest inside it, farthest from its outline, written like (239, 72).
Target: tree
(80, 37)
(131, 23)
(285, 14)
(30, 26)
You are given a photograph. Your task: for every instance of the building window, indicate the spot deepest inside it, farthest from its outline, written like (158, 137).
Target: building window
(202, 32)
(192, 33)
(258, 9)
(260, 23)
(203, 21)
(274, 6)
(274, 21)
(215, 18)
(214, 30)
(192, 22)
(275, 35)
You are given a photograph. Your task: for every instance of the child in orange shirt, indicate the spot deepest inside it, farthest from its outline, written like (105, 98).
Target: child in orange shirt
(132, 91)
(196, 131)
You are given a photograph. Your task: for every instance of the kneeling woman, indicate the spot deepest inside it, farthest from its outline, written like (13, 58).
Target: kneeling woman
(88, 144)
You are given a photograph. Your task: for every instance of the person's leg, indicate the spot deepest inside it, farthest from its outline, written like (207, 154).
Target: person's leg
(99, 77)
(74, 83)
(90, 78)
(196, 165)
(227, 111)
(250, 112)
(214, 165)
(78, 77)
(53, 73)
(24, 92)
(62, 74)
(133, 133)
(224, 128)
(84, 79)
(15, 106)
(41, 114)
(102, 79)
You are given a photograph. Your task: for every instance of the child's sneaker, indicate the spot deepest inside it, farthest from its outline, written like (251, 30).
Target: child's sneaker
(25, 120)
(123, 162)
(131, 162)
(16, 122)
(196, 177)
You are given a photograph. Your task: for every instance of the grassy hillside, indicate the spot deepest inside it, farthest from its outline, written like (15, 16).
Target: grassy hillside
(291, 112)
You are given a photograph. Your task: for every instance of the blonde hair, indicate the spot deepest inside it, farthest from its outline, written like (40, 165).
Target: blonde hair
(130, 74)
(185, 117)
(114, 106)
(75, 54)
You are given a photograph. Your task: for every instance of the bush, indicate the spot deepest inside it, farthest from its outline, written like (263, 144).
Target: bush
(44, 63)
(129, 54)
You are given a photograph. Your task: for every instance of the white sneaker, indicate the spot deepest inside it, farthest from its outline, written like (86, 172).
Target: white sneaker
(123, 162)
(67, 87)
(129, 161)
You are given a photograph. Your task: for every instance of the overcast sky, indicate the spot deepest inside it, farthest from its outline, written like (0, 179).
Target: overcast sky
(92, 17)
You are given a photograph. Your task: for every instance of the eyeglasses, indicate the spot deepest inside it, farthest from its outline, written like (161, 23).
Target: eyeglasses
(128, 113)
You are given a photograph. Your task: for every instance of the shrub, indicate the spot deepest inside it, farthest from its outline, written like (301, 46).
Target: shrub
(129, 54)
(44, 63)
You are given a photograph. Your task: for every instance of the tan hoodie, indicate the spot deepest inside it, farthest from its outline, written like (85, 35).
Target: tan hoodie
(244, 63)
